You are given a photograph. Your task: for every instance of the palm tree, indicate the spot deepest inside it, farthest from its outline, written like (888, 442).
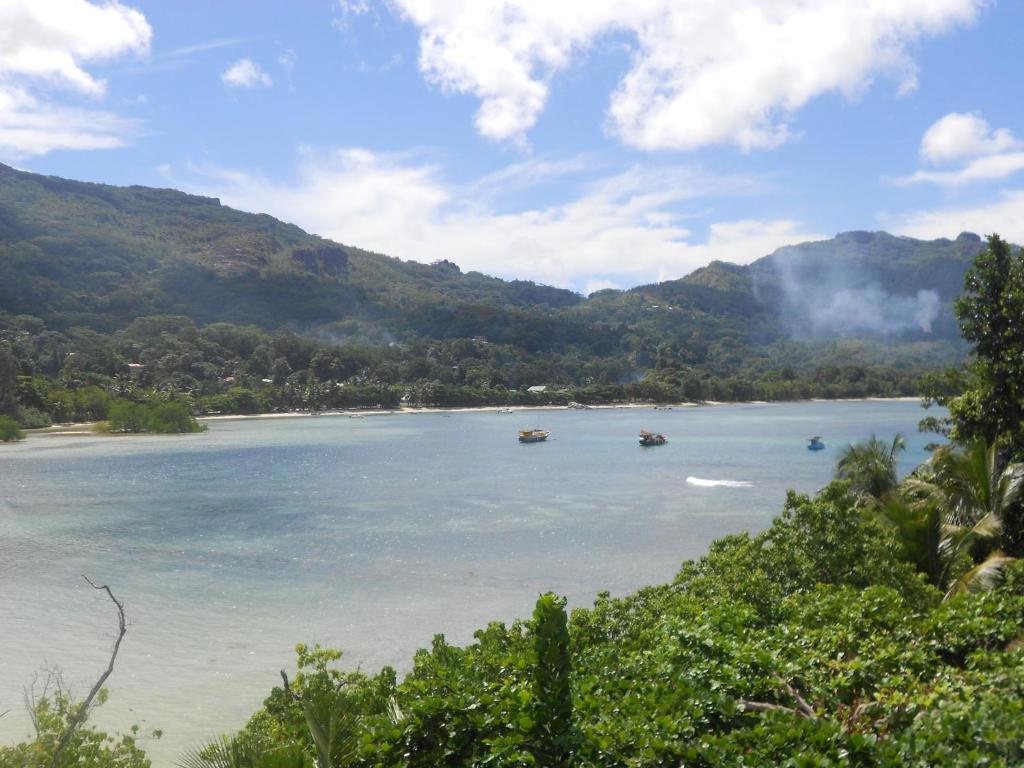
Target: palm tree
(333, 731)
(974, 481)
(918, 527)
(870, 467)
(240, 752)
(950, 513)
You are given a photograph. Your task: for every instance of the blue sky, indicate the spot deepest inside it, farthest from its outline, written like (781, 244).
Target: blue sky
(584, 144)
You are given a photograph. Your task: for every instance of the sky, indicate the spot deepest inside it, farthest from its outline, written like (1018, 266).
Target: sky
(581, 143)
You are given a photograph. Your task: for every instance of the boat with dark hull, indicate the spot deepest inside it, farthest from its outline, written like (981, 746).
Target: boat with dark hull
(648, 439)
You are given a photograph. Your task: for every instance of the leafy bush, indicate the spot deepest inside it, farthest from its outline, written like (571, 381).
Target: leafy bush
(812, 643)
(10, 430)
(161, 418)
(87, 746)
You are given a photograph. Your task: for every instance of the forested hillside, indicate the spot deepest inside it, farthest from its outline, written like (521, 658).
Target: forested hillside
(133, 290)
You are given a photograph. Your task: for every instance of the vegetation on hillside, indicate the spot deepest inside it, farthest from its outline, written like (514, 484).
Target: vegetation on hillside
(150, 295)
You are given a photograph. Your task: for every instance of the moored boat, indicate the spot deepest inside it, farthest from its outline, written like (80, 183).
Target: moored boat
(533, 435)
(652, 438)
(815, 444)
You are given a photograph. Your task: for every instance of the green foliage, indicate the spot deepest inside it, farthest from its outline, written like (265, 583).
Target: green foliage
(87, 748)
(10, 430)
(552, 739)
(985, 399)
(813, 643)
(172, 417)
(870, 467)
(989, 312)
(239, 752)
(825, 540)
(988, 405)
(109, 293)
(918, 526)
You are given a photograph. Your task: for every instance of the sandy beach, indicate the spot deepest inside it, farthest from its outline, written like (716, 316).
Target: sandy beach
(86, 428)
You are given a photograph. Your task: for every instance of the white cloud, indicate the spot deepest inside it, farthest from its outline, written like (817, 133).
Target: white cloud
(46, 45)
(1003, 215)
(703, 72)
(620, 230)
(354, 7)
(206, 45)
(245, 73)
(989, 168)
(31, 127)
(960, 135)
(52, 39)
(991, 154)
(348, 9)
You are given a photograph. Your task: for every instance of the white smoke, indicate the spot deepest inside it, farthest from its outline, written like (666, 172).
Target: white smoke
(821, 298)
(870, 309)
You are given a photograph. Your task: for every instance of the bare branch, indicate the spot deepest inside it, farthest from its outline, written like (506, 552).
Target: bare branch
(803, 709)
(287, 688)
(765, 706)
(34, 692)
(82, 710)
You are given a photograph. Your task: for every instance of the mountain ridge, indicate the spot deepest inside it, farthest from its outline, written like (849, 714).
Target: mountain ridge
(236, 245)
(121, 271)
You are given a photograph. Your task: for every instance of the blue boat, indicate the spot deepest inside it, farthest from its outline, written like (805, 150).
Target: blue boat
(815, 444)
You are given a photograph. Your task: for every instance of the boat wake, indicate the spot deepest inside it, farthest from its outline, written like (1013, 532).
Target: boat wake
(705, 483)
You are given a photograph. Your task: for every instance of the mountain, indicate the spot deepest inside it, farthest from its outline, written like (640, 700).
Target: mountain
(88, 266)
(76, 253)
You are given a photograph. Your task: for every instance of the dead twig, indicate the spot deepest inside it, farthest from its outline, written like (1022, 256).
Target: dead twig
(803, 709)
(765, 706)
(287, 687)
(82, 710)
(807, 709)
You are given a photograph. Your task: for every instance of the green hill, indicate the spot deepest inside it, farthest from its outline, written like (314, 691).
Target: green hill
(83, 265)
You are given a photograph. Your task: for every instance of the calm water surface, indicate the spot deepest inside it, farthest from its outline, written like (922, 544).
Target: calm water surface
(366, 534)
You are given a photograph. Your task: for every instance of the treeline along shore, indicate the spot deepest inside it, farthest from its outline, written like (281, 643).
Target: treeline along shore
(223, 369)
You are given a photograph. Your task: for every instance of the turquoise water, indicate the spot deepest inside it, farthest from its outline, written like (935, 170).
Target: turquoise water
(370, 534)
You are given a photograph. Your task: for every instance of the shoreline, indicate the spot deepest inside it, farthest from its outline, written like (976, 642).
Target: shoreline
(86, 428)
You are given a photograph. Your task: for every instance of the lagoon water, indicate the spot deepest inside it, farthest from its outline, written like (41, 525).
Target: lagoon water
(370, 535)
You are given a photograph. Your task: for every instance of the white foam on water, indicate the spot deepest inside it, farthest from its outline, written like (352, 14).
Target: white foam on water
(705, 483)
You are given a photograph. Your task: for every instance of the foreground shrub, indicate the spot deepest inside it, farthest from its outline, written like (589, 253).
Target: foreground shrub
(10, 430)
(87, 748)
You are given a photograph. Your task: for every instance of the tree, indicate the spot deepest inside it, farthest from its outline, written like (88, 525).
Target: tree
(8, 383)
(62, 738)
(918, 527)
(976, 482)
(241, 752)
(552, 733)
(949, 516)
(990, 313)
(870, 467)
